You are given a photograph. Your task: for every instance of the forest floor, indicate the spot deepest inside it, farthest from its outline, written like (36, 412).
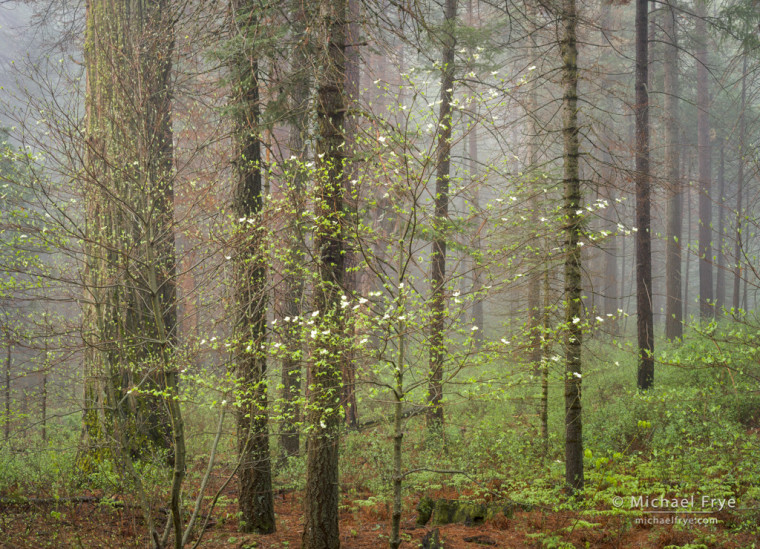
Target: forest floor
(96, 525)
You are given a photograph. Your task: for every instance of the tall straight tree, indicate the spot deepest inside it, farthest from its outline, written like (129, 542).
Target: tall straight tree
(674, 299)
(298, 121)
(130, 284)
(254, 472)
(704, 153)
(573, 230)
(324, 415)
(130, 273)
(740, 190)
(644, 317)
(720, 279)
(443, 171)
(353, 76)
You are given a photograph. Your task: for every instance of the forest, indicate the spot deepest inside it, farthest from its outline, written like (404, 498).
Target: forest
(379, 273)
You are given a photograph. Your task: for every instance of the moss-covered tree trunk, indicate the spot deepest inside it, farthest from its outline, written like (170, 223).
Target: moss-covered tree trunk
(438, 259)
(128, 183)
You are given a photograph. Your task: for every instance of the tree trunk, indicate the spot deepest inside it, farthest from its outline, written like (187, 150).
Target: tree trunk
(573, 230)
(644, 320)
(254, 473)
(720, 279)
(740, 192)
(673, 303)
(8, 360)
(353, 74)
(438, 271)
(706, 305)
(297, 253)
(478, 318)
(322, 494)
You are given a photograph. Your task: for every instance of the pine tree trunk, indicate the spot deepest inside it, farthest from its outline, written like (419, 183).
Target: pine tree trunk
(438, 271)
(353, 74)
(254, 473)
(322, 494)
(740, 192)
(720, 279)
(706, 305)
(673, 303)
(644, 320)
(573, 229)
(292, 370)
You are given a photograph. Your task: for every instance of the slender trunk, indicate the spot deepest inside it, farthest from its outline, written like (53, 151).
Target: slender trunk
(740, 191)
(255, 496)
(720, 279)
(438, 259)
(294, 279)
(398, 432)
(689, 237)
(545, 351)
(534, 286)
(477, 274)
(321, 493)
(353, 74)
(44, 395)
(8, 359)
(673, 303)
(706, 305)
(644, 323)
(573, 230)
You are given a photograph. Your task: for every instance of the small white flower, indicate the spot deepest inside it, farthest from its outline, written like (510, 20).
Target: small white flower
(474, 328)
(286, 319)
(322, 424)
(504, 341)
(576, 320)
(381, 139)
(576, 374)
(315, 313)
(362, 301)
(313, 334)
(600, 319)
(224, 402)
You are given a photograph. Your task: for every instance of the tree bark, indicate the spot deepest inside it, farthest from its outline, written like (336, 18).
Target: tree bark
(254, 473)
(706, 305)
(573, 230)
(296, 256)
(322, 493)
(740, 192)
(673, 303)
(353, 75)
(644, 320)
(720, 279)
(438, 259)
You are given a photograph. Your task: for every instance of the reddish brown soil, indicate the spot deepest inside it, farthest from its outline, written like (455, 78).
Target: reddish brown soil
(88, 525)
